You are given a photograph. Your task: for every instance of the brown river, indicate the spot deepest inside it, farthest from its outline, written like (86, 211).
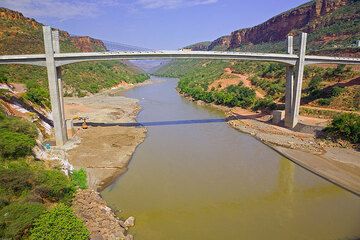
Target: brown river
(194, 177)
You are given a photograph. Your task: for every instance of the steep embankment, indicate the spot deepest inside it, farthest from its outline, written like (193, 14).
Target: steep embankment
(332, 24)
(22, 35)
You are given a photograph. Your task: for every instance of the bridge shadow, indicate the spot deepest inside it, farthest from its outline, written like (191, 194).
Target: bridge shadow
(161, 123)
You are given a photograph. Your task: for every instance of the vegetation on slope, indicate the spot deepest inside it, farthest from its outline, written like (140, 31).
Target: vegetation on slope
(29, 191)
(322, 86)
(345, 126)
(20, 35)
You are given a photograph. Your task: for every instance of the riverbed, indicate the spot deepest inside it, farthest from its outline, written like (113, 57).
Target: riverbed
(195, 177)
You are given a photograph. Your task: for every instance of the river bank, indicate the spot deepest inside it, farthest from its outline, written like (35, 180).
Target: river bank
(338, 163)
(105, 148)
(104, 151)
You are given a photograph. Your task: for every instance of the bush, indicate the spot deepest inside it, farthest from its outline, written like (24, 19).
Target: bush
(314, 83)
(16, 177)
(60, 223)
(17, 218)
(336, 91)
(264, 104)
(16, 137)
(345, 126)
(79, 178)
(54, 185)
(324, 101)
(18, 125)
(15, 145)
(37, 94)
(242, 96)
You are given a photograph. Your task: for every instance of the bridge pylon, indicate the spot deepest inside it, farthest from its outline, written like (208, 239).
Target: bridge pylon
(51, 43)
(294, 80)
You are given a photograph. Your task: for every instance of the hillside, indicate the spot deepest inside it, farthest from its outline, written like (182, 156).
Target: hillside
(331, 24)
(333, 27)
(22, 35)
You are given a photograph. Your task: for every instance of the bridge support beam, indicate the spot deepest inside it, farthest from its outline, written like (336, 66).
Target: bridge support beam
(54, 77)
(289, 89)
(294, 86)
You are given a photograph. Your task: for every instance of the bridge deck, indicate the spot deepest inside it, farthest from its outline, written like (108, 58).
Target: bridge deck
(67, 58)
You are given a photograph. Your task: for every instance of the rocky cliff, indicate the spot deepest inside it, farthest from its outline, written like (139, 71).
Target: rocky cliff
(88, 44)
(304, 18)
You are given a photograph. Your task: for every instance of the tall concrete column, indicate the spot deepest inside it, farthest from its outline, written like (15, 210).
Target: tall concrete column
(298, 80)
(56, 46)
(53, 87)
(289, 90)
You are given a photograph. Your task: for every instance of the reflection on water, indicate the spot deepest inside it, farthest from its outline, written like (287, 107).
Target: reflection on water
(194, 177)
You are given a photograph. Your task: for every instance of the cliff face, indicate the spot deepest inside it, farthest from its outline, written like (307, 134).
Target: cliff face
(221, 42)
(278, 27)
(88, 44)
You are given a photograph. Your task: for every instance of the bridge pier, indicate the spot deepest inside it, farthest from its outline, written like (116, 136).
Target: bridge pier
(51, 42)
(294, 80)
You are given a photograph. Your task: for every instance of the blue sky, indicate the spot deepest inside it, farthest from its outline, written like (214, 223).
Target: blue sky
(154, 24)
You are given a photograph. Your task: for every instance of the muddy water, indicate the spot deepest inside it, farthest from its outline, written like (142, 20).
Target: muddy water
(194, 177)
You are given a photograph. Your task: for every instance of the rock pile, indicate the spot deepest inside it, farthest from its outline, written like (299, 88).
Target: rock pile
(98, 217)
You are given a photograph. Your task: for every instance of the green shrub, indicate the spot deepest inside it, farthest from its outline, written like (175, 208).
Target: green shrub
(314, 83)
(3, 79)
(15, 145)
(17, 218)
(18, 125)
(37, 94)
(54, 185)
(16, 177)
(264, 104)
(16, 137)
(336, 91)
(242, 96)
(324, 101)
(60, 223)
(345, 126)
(79, 178)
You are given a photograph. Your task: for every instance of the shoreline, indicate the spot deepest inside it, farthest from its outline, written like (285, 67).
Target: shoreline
(322, 158)
(104, 150)
(110, 118)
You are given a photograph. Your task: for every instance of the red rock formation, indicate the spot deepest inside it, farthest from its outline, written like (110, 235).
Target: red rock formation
(278, 27)
(222, 42)
(88, 44)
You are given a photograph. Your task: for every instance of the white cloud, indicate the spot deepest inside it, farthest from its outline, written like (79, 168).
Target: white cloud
(171, 4)
(58, 9)
(69, 9)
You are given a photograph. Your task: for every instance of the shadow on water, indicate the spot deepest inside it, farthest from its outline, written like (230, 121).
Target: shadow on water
(168, 123)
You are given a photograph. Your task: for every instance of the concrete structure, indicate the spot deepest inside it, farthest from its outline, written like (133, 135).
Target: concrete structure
(278, 116)
(53, 60)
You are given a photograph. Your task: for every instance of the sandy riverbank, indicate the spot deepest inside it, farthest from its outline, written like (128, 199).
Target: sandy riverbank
(104, 151)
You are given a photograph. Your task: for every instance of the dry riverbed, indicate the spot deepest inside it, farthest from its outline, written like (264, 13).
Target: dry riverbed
(105, 148)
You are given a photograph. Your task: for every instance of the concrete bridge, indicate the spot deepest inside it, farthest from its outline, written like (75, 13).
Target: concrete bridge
(53, 60)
